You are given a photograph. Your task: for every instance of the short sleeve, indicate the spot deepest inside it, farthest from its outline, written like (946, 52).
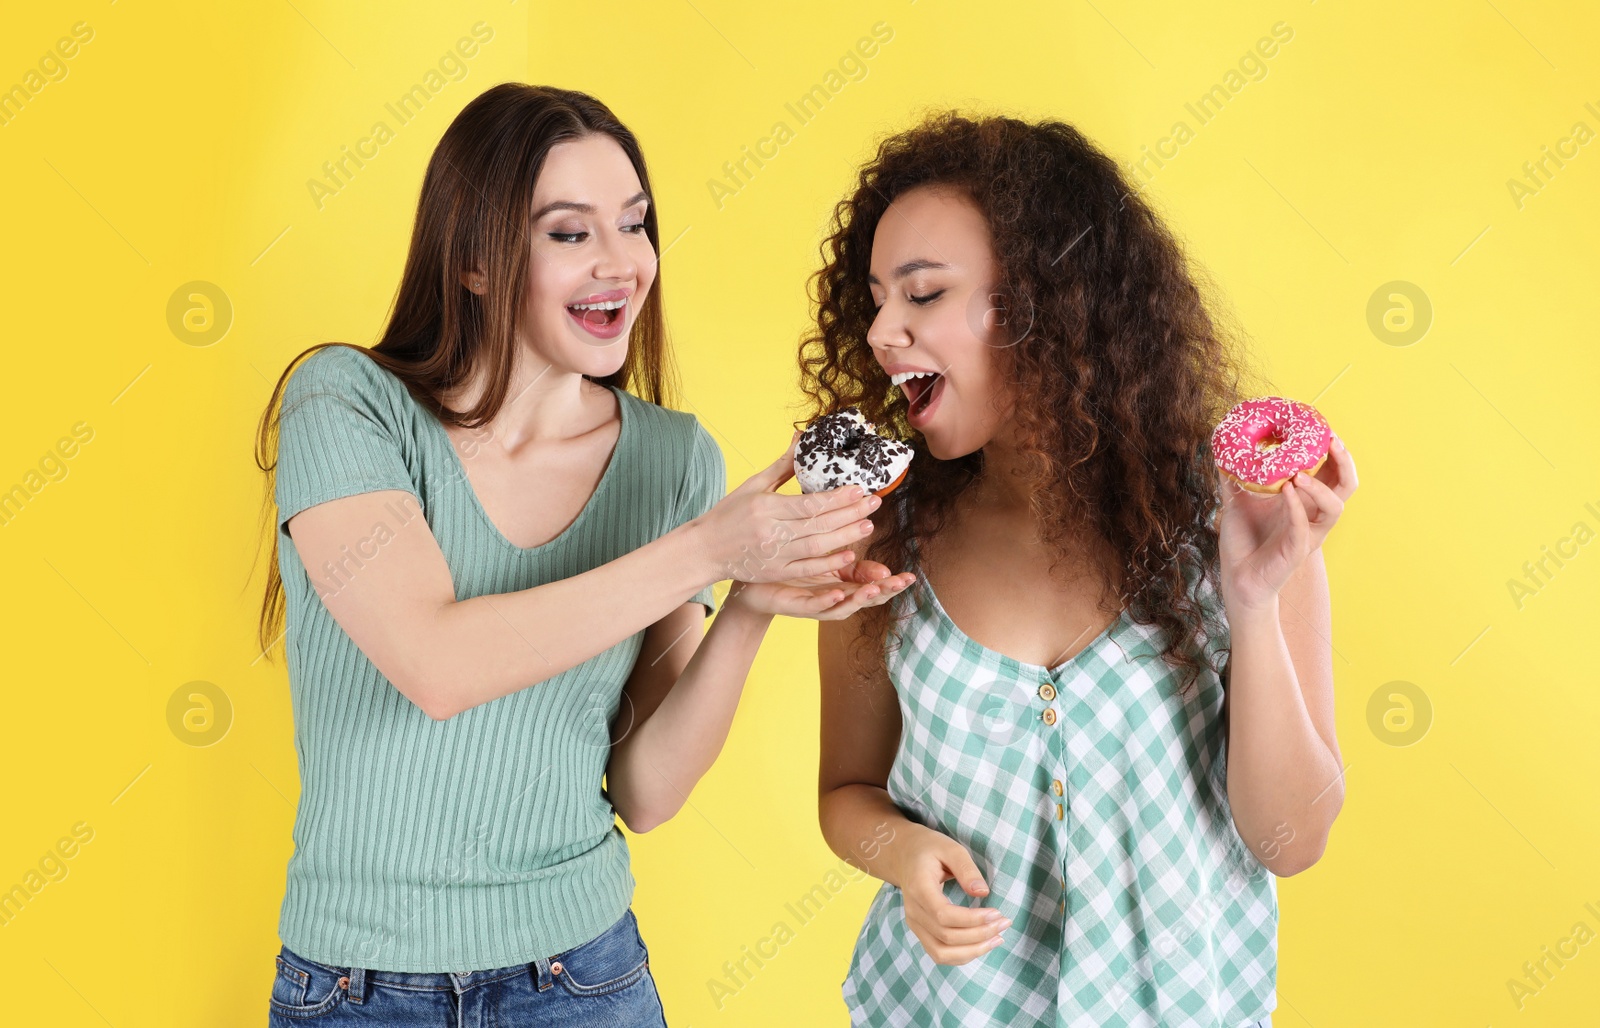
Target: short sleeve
(337, 433)
(705, 483)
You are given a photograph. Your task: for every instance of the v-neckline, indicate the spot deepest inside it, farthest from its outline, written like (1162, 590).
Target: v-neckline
(1012, 662)
(459, 469)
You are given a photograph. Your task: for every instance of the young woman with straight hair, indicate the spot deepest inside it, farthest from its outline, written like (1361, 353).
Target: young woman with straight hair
(494, 550)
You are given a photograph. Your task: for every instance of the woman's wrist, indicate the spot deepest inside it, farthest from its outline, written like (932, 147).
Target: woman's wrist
(1253, 615)
(693, 548)
(736, 604)
(1245, 593)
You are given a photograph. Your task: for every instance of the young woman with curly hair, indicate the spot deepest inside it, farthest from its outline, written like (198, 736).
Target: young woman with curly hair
(1041, 718)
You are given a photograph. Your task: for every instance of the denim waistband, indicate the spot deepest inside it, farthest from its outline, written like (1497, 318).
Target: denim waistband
(355, 980)
(361, 978)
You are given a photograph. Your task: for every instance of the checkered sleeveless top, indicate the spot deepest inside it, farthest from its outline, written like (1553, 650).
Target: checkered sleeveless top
(1094, 801)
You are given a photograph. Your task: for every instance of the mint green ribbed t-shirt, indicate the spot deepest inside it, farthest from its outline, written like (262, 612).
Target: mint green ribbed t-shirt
(484, 840)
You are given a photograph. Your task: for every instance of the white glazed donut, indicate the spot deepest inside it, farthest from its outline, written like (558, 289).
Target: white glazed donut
(843, 448)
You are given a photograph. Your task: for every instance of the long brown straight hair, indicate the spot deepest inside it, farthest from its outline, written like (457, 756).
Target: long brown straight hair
(473, 211)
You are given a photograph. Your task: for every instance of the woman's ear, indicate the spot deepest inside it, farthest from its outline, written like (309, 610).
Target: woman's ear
(474, 280)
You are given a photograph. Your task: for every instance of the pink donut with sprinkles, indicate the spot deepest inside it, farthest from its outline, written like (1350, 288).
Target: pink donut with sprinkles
(1263, 441)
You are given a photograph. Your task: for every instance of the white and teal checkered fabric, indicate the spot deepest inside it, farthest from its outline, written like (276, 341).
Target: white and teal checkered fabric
(1134, 902)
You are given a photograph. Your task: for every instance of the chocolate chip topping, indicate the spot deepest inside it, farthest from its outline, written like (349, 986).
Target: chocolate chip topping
(842, 449)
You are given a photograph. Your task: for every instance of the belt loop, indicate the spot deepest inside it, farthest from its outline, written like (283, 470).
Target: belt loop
(542, 978)
(358, 985)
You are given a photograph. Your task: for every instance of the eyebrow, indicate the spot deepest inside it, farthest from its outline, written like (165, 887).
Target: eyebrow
(920, 264)
(586, 208)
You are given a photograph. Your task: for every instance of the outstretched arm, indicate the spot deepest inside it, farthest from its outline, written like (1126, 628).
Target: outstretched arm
(677, 709)
(679, 703)
(447, 656)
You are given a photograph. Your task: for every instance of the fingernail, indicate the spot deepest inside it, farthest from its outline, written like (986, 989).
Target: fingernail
(875, 502)
(1005, 924)
(1338, 443)
(992, 916)
(978, 886)
(994, 942)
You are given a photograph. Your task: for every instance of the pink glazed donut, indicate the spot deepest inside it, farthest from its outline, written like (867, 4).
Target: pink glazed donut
(1261, 442)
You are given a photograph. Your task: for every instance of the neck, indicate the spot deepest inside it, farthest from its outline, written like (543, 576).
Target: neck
(542, 403)
(1001, 487)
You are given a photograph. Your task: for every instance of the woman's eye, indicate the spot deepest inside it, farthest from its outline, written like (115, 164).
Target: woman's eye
(923, 301)
(638, 229)
(567, 237)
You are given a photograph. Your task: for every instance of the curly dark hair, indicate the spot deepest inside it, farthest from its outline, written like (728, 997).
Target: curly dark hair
(1118, 368)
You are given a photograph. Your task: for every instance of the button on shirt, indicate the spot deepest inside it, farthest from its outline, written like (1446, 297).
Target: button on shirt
(1093, 799)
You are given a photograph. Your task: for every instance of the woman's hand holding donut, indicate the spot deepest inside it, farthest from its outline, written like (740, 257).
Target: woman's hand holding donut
(831, 595)
(951, 933)
(754, 534)
(1264, 538)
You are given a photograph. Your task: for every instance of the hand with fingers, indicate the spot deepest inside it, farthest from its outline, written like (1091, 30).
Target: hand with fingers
(827, 597)
(794, 555)
(1265, 537)
(950, 932)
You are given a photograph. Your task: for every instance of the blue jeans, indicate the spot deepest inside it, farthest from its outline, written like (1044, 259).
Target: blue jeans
(604, 982)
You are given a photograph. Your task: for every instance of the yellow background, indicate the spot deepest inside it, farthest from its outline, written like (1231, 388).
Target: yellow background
(1377, 148)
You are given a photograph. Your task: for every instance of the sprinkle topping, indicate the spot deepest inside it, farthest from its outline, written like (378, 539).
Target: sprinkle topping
(843, 448)
(1268, 438)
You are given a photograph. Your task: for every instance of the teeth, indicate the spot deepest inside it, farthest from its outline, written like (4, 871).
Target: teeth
(904, 377)
(608, 305)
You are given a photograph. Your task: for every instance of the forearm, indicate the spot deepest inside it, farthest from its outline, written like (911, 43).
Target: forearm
(486, 647)
(1284, 783)
(653, 768)
(863, 825)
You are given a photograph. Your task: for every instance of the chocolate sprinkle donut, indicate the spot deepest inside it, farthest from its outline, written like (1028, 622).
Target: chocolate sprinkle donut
(843, 448)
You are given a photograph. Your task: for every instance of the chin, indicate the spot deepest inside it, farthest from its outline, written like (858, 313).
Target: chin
(939, 449)
(955, 445)
(600, 360)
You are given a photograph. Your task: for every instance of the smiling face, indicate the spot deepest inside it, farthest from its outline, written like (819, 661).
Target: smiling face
(592, 264)
(932, 276)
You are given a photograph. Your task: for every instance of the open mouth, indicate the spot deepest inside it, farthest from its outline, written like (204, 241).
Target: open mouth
(604, 316)
(920, 390)
(601, 315)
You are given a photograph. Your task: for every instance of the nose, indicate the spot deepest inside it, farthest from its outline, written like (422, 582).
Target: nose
(887, 330)
(615, 261)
